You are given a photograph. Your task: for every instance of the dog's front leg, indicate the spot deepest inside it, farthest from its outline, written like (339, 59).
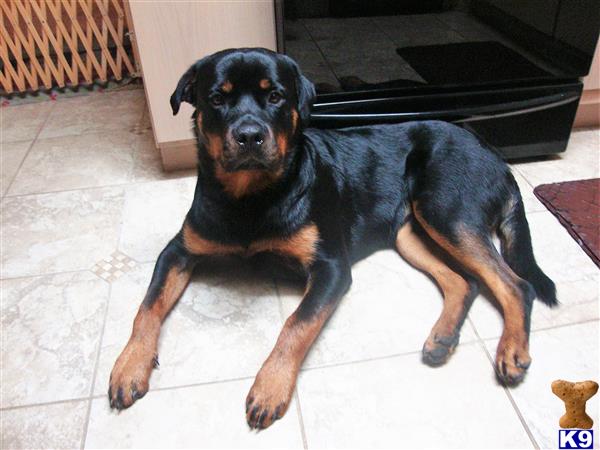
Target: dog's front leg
(130, 374)
(272, 391)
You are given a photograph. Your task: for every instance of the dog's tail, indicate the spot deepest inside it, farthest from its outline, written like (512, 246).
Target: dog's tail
(517, 251)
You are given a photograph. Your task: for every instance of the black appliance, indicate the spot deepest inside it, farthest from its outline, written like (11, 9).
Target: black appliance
(508, 70)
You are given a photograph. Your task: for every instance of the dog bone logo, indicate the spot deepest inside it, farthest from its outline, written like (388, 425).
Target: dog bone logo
(575, 395)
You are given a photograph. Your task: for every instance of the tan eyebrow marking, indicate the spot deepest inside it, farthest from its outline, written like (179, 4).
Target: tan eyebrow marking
(227, 87)
(294, 120)
(265, 83)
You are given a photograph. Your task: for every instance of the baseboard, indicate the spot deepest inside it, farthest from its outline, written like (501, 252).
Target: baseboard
(178, 155)
(588, 113)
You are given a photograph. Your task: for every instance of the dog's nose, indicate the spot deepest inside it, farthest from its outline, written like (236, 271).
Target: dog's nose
(249, 135)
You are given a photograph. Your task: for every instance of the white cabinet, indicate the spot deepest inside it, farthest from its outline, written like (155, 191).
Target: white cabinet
(170, 36)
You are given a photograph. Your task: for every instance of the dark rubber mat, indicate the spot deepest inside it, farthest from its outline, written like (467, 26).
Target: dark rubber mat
(576, 204)
(466, 62)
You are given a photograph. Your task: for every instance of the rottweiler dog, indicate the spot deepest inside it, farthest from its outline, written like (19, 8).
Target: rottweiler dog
(324, 199)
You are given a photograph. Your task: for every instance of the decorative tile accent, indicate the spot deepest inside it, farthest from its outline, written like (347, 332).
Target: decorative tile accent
(113, 267)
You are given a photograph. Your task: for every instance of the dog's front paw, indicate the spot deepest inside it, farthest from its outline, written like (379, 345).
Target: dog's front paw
(130, 375)
(270, 395)
(512, 360)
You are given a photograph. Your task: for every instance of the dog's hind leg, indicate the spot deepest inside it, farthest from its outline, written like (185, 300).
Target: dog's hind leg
(471, 245)
(458, 293)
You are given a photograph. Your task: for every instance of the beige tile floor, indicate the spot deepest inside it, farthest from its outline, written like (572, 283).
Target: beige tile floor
(81, 180)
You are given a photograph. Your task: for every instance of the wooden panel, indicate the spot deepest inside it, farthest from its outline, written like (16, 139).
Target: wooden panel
(170, 36)
(588, 112)
(592, 81)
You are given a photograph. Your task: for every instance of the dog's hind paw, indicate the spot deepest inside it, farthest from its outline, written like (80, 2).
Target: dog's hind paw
(438, 349)
(512, 362)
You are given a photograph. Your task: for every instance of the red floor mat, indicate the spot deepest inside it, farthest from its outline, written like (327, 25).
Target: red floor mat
(576, 204)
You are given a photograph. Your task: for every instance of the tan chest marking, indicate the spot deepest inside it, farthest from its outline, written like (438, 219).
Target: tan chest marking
(244, 182)
(302, 245)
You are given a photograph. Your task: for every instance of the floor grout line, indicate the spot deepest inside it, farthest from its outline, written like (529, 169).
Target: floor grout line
(327, 62)
(516, 409)
(100, 342)
(49, 274)
(96, 365)
(537, 330)
(18, 141)
(564, 325)
(200, 384)
(230, 380)
(296, 393)
(87, 133)
(529, 213)
(522, 419)
(478, 342)
(156, 389)
(367, 360)
(524, 177)
(53, 402)
(104, 186)
(300, 418)
(29, 151)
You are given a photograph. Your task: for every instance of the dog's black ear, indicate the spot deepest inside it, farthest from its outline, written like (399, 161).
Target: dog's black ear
(185, 90)
(305, 92)
(306, 97)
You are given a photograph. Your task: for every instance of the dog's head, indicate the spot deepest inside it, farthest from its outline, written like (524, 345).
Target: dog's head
(250, 107)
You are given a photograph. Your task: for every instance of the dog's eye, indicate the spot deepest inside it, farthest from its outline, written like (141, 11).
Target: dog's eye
(275, 97)
(216, 100)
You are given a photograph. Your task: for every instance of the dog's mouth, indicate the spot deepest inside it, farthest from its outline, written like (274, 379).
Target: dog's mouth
(236, 157)
(250, 163)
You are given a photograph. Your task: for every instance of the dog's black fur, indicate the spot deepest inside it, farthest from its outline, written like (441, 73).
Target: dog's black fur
(325, 199)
